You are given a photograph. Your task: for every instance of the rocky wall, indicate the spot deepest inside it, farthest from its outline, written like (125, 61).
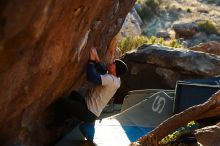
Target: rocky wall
(44, 48)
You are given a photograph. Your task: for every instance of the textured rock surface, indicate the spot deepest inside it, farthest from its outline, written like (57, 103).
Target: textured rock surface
(209, 136)
(185, 30)
(212, 47)
(43, 52)
(163, 34)
(132, 25)
(160, 67)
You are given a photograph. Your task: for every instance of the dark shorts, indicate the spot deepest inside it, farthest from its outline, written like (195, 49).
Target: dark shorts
(78, 107)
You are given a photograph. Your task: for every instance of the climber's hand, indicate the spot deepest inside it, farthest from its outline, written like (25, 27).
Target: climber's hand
(93, 54)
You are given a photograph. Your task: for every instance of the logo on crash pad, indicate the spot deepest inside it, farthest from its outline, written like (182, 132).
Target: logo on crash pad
(158, 104)
(218, 82)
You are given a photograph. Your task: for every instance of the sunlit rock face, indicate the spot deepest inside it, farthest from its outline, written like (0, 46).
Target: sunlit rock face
(44, 48)
(132, 25)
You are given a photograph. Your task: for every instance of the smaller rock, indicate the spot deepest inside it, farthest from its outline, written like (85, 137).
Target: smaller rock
(214, 37)
(197, 39)
(185, 30)
(208, 136)
(203, 11)
(163, 34)
(212, 47)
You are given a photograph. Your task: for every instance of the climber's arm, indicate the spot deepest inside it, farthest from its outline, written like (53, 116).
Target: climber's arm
(101, 68)
(92, 75)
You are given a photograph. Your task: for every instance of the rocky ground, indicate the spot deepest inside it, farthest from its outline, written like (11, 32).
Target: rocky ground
(175, 11)
(184, 11)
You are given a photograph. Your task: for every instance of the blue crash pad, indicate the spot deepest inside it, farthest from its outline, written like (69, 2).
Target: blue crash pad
(131, 124)
(188, 95)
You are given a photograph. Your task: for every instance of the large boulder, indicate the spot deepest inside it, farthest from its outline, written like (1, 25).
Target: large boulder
(154, 66)
(44, 49)
(212, 47)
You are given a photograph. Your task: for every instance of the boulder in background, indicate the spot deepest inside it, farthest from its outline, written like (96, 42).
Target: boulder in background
(155, 66)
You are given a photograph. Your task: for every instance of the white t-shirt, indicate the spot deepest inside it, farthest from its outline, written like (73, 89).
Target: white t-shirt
(100, 95)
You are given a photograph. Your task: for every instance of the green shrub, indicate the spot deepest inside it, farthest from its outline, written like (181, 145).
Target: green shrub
(153, 4)
(184, 130)
(211, 1)
(139, 1)
(189, 10)
(208, 27)
(169, 43)
(145, 13)
(128, 44)
(174, 44)
(149, 8)
(152, 40)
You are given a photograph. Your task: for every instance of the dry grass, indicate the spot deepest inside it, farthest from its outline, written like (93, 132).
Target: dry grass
(208, 27)
(128, 44)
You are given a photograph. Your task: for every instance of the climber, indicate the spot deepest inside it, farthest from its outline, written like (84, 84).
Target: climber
(106, 80)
